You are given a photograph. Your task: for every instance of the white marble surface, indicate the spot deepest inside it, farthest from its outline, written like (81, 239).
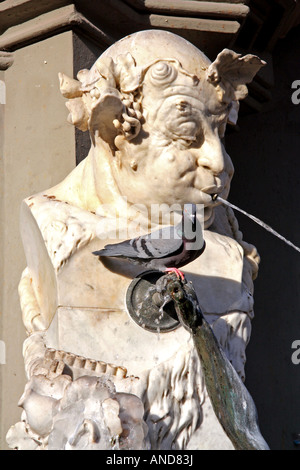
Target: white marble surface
(156, 116)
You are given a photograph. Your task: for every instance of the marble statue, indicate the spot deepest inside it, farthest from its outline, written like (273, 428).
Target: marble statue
(156, 109)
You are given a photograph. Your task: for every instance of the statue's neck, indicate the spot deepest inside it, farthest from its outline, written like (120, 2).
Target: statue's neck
(91, 183)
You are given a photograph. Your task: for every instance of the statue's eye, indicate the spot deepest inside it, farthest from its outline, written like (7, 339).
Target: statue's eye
(183, 107)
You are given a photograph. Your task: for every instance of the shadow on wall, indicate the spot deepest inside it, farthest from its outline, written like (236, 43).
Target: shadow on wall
(267, 184)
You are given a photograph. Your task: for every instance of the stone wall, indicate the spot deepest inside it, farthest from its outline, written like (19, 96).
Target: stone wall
(37, 151)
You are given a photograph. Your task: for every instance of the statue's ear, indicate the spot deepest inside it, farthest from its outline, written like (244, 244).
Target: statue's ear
(94, 109)
(230, 72)
(100, 99)
(104, 113)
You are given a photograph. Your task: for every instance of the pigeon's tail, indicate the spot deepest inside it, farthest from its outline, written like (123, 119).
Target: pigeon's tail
(107, 252)
(117, 250)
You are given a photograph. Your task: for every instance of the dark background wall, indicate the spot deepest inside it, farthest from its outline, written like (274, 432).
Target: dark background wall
(266, 154)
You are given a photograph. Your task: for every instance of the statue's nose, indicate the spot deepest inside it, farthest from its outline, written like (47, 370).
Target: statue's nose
(212, 154)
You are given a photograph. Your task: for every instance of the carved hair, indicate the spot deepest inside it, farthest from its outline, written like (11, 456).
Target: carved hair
(175, 390)
(113, 90)
(104, 98)
(107, 98)
(173, 397)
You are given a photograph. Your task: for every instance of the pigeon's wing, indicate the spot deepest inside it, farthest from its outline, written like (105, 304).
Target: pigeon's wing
(159, 244)
(123, 250)
(162, 243)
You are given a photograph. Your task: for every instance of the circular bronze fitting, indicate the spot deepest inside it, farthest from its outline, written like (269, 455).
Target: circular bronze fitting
(146, 307)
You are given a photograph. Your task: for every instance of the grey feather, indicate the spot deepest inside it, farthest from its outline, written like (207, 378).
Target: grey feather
(160, 249)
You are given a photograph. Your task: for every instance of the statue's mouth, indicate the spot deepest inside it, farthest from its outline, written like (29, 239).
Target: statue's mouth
(211, 193)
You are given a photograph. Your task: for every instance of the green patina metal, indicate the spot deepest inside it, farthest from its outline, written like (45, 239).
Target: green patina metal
(230, 399)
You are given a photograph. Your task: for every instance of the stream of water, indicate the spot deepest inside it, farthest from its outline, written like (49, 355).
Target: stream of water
(259, 222)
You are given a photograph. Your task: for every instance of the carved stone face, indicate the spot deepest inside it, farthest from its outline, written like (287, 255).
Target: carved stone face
(160, 112)
(178, 157)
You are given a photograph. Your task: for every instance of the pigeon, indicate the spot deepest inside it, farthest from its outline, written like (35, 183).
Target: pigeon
(164, 250)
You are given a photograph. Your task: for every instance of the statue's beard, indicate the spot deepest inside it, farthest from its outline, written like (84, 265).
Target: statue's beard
(174, 393)
(172, 400)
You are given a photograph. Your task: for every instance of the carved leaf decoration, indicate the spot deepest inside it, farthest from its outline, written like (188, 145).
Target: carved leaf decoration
(123, 73)
(127, 73)
(82, 75)
(69, 87)
(95, 99)
(106, 69)
(231, 72)
(78, 113)
(103, 112)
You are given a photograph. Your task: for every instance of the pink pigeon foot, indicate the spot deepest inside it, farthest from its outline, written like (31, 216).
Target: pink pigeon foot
(178, 273)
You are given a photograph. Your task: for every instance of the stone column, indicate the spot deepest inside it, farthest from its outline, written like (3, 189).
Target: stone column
(6, 60)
